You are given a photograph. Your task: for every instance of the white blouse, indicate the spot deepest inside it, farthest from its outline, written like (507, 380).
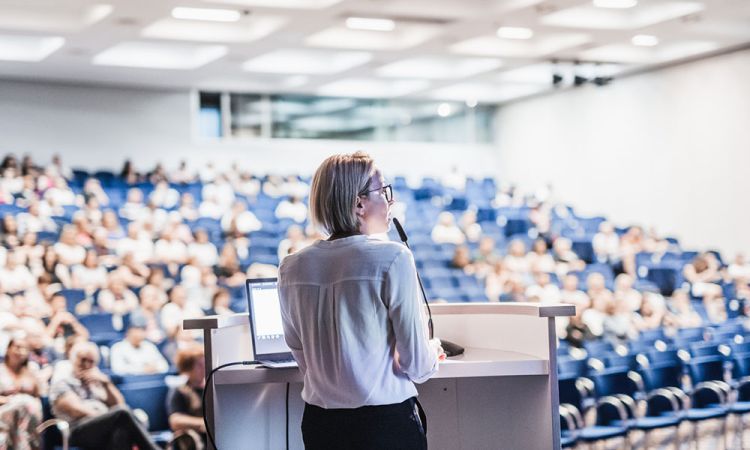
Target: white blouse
(354, 320)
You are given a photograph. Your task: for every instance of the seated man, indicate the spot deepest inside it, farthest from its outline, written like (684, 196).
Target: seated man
(94, 407)
(185, 402)
(135, 355)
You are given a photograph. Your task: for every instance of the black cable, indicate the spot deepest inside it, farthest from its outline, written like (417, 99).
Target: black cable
(205, 389)
(287, 416)
(426, 302)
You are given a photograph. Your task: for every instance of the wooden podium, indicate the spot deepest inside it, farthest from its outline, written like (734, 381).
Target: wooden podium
(500, 394)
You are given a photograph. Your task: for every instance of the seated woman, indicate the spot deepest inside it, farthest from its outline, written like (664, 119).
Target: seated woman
(20, 407)
(704, 276)
(652, 313)
(185, 402)
(682, 314)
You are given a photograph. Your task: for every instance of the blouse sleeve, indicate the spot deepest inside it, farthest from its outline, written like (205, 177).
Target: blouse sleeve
(402, 297)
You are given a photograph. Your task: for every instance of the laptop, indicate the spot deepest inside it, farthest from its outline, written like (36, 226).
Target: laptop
(266, 330)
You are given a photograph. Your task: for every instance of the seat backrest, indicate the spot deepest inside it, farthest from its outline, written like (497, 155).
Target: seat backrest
(741, 366)
(662, 375)
(702, 349)
(572, 367)
(613, 381)
(740, 348)
(98, 323)
(570, 392)
(661, 357)
(150, 397)
(707, 368)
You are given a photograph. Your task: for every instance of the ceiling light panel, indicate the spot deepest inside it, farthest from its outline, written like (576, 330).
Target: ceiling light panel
(283, 4)
(438, 67)
(370, 24)
(515, 33)
(615, 4)
(57, 17)
(248, 29)
(304, 61)
(206, 14)
(491, 45)
(403, 36)
(152, 55)
(28, 48)
(644, 15)
(644, 40)
(629, 54)
(372, 87)
(487, 92)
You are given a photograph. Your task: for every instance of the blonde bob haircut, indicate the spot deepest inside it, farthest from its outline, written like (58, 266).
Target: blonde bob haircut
(337, 183)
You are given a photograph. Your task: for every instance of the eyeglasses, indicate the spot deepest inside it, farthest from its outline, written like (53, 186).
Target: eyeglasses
(387, 190)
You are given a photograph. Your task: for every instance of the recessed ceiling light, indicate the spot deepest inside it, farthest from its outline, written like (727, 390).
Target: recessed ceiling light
(472, 103)
(370, 24)
(208, 14)
(155, 55)
(615, 4)
(645, 40)
(444, 109)
(515, 33)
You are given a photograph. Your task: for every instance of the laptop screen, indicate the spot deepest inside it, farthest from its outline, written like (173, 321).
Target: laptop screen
(264, 309)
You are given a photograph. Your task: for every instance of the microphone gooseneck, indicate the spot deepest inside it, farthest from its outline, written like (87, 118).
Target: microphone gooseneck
(450, 348)
(404, 239)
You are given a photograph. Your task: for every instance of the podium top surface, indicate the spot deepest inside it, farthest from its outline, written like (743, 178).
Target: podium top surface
(510, 309)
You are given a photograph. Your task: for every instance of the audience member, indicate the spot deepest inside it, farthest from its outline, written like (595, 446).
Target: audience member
(20, 406)
(136, 355)
(94, 407)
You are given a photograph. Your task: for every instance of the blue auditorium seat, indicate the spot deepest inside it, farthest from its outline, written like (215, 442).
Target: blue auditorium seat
(573, 396)
(622, 388)
(151, 397)
(101, 329)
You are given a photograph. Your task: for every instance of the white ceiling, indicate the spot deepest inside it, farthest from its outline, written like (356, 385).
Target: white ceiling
(439, 49)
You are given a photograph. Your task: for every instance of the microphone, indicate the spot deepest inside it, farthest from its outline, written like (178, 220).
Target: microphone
(450, 348)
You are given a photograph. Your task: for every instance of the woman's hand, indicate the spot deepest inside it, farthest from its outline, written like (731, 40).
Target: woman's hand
(437, 347)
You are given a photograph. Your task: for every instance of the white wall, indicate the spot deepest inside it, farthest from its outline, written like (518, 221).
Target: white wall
(669, 149)
(98, 127)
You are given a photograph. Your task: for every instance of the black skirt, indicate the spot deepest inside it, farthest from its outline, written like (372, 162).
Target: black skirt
(400, 426)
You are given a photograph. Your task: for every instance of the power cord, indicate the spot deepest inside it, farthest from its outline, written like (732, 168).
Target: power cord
(287, 416)
(205, 389)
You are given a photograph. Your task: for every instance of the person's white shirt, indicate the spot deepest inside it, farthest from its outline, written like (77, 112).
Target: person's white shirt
(70, 254)
(739, 271)
(29, 223)
(348, 306)
(221, 191)
(164, 197)
(594, 319)
(205, 253)
(16, 279)
(448, 234)
(548, 294)
(190, 276)
(297, 211)
(245, 222)
(606, 244)
(172, 315)
(169, 251)
(141, 248)
(129, 360)
(95, 277)
(210, 209)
